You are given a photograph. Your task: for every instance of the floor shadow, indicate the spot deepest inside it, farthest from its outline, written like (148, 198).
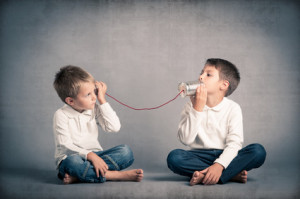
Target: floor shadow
(35, 174)
(250, 179)
(50, 176)
(161, 177)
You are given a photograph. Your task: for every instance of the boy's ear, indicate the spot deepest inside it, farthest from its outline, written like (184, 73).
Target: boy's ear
(225, 85)
(70, 101)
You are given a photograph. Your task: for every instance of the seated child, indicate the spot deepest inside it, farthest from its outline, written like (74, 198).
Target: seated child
(212, 126)
(79, 155)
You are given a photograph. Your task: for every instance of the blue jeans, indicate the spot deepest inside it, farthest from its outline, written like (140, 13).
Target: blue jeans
(116, 158)
(185, 163)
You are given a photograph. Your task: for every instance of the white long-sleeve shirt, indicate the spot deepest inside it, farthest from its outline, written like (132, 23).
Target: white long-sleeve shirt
(77, 133)
(220, 127)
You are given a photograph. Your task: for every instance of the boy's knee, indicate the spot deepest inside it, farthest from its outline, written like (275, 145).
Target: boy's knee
(174, 158)
(73, 160)
(126, 152)
(69, 164)
(259, 153)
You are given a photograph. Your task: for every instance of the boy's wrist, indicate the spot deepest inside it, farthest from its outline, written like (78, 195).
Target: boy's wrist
(219, 165)
(198, 108)
(91, 156)
(102, 100)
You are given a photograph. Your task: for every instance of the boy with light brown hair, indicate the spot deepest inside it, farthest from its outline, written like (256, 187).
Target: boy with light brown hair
(79, 155)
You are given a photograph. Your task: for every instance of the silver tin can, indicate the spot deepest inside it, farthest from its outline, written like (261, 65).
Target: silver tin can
(188, 88)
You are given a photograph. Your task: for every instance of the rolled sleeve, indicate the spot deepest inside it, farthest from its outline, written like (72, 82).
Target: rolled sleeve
(107, 118)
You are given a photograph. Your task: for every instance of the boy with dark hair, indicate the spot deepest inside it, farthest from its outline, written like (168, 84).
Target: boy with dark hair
(212, 126)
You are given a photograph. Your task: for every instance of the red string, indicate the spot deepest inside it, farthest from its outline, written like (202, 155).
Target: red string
(147, 109)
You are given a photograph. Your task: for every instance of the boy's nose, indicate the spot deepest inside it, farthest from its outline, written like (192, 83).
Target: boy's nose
(94, 96)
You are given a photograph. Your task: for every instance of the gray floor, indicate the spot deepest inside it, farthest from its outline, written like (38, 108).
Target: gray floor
(262, 183)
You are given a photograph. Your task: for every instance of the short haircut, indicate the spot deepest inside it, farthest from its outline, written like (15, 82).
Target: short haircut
(227, 71)
(68, 81)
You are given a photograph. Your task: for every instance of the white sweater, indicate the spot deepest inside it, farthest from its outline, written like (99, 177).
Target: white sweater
(77, 133)
(220, 127)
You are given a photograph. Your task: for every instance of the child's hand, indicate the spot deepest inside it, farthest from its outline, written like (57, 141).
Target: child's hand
(199, 100)
(212, 174)
(98, 163)
(101, 86)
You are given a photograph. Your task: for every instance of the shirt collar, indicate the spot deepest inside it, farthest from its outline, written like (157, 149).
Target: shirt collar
(72, 113)
(219, 106)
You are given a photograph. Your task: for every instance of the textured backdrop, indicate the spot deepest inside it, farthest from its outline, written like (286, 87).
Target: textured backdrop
(142, 50)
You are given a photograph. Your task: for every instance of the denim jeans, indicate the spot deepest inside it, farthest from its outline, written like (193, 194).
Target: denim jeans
(185, 163)
(116, 158)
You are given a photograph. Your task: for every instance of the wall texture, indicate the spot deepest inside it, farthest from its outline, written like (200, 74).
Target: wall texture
(142, 50)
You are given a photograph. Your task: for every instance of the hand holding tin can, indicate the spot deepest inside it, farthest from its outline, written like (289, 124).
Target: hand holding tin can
(189, 88)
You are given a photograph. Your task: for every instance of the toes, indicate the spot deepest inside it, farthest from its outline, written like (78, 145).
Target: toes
(244, 174)
(140, 176)
(139, 171)
(196, 178)
(66, 180)
(196, 174)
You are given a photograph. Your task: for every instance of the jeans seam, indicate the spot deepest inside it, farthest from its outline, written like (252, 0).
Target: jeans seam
(86, 169)
(112, 161)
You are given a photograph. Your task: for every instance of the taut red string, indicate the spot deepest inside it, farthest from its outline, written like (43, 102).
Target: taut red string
(146, 109)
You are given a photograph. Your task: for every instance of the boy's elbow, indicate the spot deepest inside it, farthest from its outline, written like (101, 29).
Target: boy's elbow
(185, 140)
(116, 128)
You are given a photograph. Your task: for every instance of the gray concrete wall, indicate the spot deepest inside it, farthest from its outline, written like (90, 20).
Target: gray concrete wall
(142, 49)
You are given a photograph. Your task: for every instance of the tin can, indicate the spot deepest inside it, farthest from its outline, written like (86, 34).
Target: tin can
(189, 88)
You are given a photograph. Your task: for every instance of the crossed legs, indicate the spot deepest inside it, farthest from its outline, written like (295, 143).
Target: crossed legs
(190, 163)
(75, 169)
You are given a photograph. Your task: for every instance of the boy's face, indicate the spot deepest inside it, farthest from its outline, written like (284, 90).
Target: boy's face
(210, 77)
(86, 98)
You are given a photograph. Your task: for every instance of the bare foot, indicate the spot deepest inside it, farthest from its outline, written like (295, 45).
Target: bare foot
(241, 177)
(69, 179)
(196, 178)
(130, 175)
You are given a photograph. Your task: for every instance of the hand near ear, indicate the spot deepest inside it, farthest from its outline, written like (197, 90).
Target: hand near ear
(101, 86)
